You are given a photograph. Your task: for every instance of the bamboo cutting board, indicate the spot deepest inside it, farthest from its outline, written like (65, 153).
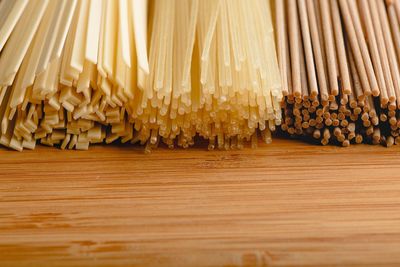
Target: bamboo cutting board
(286, 204)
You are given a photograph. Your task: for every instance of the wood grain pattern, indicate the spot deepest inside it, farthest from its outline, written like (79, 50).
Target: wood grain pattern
(288, 203)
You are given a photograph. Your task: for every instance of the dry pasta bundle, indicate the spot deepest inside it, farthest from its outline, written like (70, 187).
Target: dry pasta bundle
(76, 72)
(339, 61)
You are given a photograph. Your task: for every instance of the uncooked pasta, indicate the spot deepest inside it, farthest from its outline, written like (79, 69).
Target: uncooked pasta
(77, 72)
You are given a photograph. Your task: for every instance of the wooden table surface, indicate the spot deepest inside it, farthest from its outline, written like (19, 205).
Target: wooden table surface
(285, 204)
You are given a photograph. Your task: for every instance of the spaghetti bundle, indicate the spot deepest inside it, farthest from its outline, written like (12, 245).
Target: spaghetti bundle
(224, 86)
(340, 70)
(78, 72)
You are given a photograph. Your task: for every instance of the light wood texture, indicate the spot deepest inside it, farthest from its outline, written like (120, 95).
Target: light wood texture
(288, 203)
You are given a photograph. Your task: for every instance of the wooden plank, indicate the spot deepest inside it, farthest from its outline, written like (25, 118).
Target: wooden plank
(288, 203)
